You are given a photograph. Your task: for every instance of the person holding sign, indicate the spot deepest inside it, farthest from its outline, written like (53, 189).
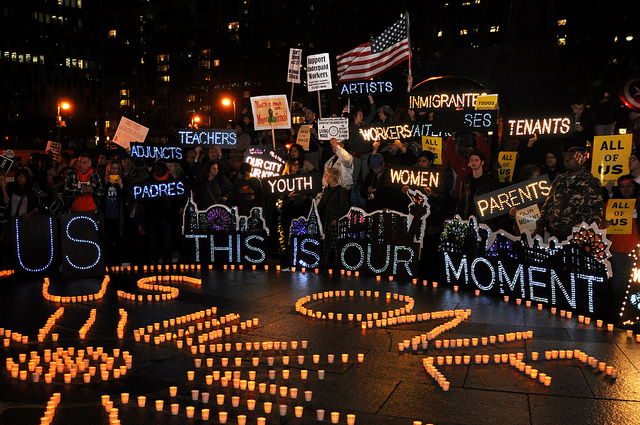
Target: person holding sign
(246, 192)
(477, 182)
(343, 161)
(333, 204)
(83, 187)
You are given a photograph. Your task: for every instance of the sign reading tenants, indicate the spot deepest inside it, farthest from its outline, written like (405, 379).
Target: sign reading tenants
(500, 202)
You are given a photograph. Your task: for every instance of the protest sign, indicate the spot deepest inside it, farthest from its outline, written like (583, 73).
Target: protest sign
(81, 246)
(292, 184)
(55, 148)
(270, 112)
(611, 157)
(466, 120)
(507, 161)
(364, 88)
(399, 131)
(620, 213)
(452, 100)
(416, 178)
(161, 152)
(486, 102)
(527, 217)
(333, 128)
(548, 127)
(499, 202)
(318, 72)
(293, 75)
(433, 144)
(129, 132)
(304, 134)
(265, 161)
(208, 138)
(5, 165)
(147, 191)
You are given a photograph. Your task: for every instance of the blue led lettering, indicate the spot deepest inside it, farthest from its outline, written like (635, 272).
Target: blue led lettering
(95, 225)
(35, 270)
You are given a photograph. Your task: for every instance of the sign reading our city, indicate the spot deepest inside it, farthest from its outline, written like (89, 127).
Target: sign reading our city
(500, 202)
(454, 100)
(364, 88)
(265, 161)
(292, 184)
(223, 138)
(161, 152)
(548, 127)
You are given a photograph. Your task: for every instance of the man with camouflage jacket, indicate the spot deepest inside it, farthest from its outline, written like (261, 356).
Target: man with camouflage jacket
(575, 197)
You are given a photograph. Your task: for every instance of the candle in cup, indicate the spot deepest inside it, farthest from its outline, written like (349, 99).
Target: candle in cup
(159, 405)
(335, 417)
(142, 401)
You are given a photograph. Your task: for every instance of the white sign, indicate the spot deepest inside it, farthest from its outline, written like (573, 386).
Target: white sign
(527, 217)
(293, 76)
(333, 128)
(129, 132)
(318, 72)
(55, 148)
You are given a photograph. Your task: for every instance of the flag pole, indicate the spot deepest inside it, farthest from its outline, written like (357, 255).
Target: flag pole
(410, 53)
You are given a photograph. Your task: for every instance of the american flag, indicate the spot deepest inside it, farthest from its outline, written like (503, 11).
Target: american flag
(370, 59)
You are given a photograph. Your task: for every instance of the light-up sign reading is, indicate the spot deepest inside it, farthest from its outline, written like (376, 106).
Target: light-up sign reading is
(415, 178)
(160, 190)
(223, 138)
(265, 161)
(456, 100)
(294, 184)
(548, 127)
(499, 202)
(156, 152)
(305, 239)
(365, 88)
(82, 254)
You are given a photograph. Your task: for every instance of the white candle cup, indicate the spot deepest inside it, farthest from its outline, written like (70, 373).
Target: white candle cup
(242, 419)
(308, 395)
(298, 411)
(282, 409)
(159, 405)
(320, 374)
(175, 408)
(268, 406)
(205, 398)
(205, 414)
(351, 419)
(320, 414)
(142, 401)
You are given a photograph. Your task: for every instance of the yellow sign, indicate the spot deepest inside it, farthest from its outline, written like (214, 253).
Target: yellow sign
(611, 157)
(486, 102)
(507, 161)
(303, 136)
(620, 213)
(527, 217)
(433, 144)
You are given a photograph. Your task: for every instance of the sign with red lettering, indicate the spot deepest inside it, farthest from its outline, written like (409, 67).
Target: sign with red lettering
(270, 111)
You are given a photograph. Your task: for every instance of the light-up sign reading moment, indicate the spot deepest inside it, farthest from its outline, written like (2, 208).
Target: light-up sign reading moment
(521, 195)
(223, 138)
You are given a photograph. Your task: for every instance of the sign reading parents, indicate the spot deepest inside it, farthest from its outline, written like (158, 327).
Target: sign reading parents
(293, 184)
(611, 156)
(499, 202)
(416, 178)
(293, 76)
(265, 161)
(318, 72)
(333, 128)
(270, 111)
(156, 152)
(223, 138)
(129, 132)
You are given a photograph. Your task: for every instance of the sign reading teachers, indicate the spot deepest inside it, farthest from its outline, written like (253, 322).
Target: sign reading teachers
(223, 138)
(318, 72)
(129, 132)
(500, 202)
(160, 152)
(291, 185)
(265, 161)
(611, 156)
(270, 112)
(333, 128)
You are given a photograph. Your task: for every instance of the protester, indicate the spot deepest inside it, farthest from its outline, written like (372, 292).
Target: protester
(213, 189)
(294, 205)
(333, 204)
(460, 164)
(246, 192)
(343, 161)
(113, 206)
(158, 219)
(83, 187)
(477, 182)
(297, 152)
(19, 197)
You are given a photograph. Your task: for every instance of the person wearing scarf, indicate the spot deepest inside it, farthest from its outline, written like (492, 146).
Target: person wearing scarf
(83, 187)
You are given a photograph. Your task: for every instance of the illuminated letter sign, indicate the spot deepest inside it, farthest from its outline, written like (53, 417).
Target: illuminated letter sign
(207, 138)
(296, 184)
(147, 191)
(161, 152)
(400, 132)
(416, 178)
(520, 195)
(366, 88)
(265, 161)
(548, 127)
(466, 120)
(82, 253)
(36, 244)
(454, 100)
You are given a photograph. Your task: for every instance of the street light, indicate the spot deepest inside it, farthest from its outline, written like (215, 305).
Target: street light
(60, 123)
(195, 120)
(226, 102)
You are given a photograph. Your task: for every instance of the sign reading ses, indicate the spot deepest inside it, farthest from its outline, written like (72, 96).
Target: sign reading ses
(366, 88)
(456, 100)
(156, 152)
(466, 120)
(160, 190)
(499, 202)
(415, 178)
(293, 75)
(298, 184)
(225, 139)
(265, 161)
(558, 127)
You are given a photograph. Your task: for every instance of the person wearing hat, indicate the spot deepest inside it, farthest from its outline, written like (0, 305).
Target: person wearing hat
(575, 197)
(385, 113)
(343, 161)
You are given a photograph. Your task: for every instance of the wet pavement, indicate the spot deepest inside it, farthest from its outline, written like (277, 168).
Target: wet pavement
(389, 386)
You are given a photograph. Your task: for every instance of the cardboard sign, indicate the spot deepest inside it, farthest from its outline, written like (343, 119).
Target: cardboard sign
(81, 245)
(270, 111)
(293, 75)
(416, 178)
(507, 161)
(453, 100)
(148, 191)
(161, 152)
(486, 102)
(527, 217)
(364, 88)
(207, 138)
(548, 127)
(265, 161)
(620, 213)
(333, 128)
(304, 134)
(129, 132)
(611, 156)
(290, 185)
(433, 144)
(5, 165)
(318, 72)
(500, 202)
(55, 148)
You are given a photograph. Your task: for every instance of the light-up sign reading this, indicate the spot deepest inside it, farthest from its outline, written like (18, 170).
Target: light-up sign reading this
(499, 202)
(296, 184)
(147, 191)
(223, 138)
(366, 88)
(455, 100)
(156, 152)
(557, 127)
(415, 178)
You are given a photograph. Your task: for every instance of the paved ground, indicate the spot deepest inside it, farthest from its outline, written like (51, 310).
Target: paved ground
(388, 387)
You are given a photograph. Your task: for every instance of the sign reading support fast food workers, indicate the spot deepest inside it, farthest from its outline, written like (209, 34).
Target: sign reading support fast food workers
(611, 157)
(293, 75)
(270, 111)
(318, 72)
(333, 128)
(129, 132)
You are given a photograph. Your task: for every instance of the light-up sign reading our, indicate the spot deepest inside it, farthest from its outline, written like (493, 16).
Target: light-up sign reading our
(297, 184)
(500, 202)
(223, 138)
(160, 190)
(549, 127)
(265, 161)
(365, 88)
(454, 100)
(156, 152)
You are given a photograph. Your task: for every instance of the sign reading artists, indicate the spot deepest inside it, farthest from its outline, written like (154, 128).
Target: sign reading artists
(223, 138)
(547, 127)
(500, 202)
(148, 191)
(620, 213)
(318, 72)
(419, 101)
(611, 156)
(129, 132)
(161, 152)
(293, 74)
(364, 88)
(292, 184)
(416, 178)
(265, 161)
(270, 112)
(333, 128)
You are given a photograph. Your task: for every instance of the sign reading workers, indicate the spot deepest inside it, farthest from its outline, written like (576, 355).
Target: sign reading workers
(270, 112)
(293, 75)
(318, 72)
(611, 156)
(333, 128)
(500, 202)
(129, 132)
(223, 138)
(292, 184)
(416, 178)
(399, 131)
(548, 127)
(265, 161)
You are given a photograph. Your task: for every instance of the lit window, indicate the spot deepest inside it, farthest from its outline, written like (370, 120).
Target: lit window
(440, 33)
(446, 5)
(562, 41)
(124, 102)
(205, 64)
(466, 3)
(234, 26)
(79, 4)
(112, 33)
(216, 62)
(163, 68)
(615, 40)
(477, 1)
(162, 58)
(164, 78)
(124, 92)
(494, 28)
(629, 37)
(191, 98)
(68, 62)
(463, 32)
(204, 52)
(562, 22)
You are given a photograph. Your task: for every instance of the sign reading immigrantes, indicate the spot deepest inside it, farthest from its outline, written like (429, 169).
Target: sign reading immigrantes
(415, 178)
(270, 111)
(453, 100)
(500, 202)
(548, 127)
(223, 138)
(156, 152)
(365, 88)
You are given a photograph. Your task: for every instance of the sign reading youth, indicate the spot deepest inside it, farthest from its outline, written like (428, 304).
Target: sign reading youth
(500, 202)
(293, 184)
(224, 138)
